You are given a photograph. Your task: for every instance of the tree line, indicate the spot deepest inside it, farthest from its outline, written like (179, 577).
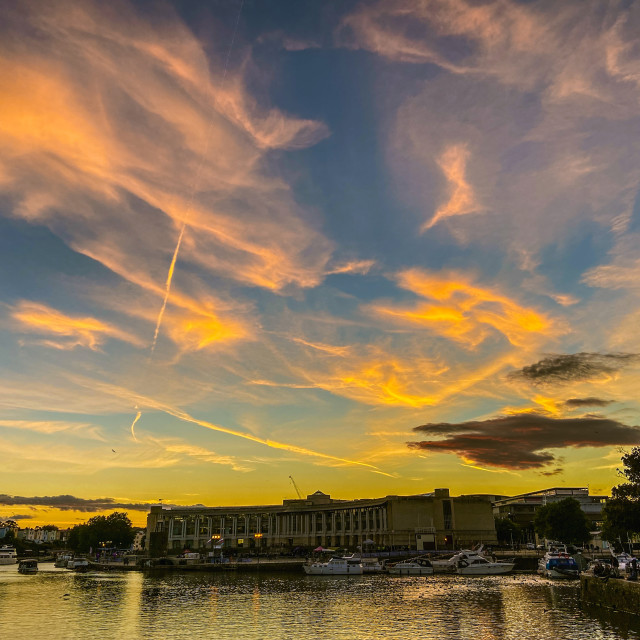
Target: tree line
(565, 521)
(114, 530)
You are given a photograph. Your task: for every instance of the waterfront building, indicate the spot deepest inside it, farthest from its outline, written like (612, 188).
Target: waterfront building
(43, 535)
(138, 540)
(8, 528)
(426, 521)
(521, 509)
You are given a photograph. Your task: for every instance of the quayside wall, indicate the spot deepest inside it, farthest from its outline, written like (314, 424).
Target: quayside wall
(612, 593)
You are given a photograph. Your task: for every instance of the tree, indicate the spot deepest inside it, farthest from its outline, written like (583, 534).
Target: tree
(622, 511)
(507, 531)
(114, 530)
(564, 521)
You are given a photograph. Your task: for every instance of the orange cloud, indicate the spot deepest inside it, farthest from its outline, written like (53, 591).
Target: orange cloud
(465, 312)
(128, 132)
(68, 332)
(453, 163)
(196, 332)
(354, 266)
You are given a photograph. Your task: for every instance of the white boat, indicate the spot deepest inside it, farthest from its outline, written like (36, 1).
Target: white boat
(372, 565)
(412, 567)
(335, 567)
(62, 560)
(78, 564)
(369, 565)
(28, 565)
(450, 565)
(8, 555)
(480, 566)
(624, 562)
(558, 565)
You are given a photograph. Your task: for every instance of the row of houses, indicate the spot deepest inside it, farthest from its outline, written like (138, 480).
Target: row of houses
(38, 535)
(428, 521)
(52, 535)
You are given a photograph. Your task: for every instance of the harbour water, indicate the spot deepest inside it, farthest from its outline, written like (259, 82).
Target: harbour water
(57, 603)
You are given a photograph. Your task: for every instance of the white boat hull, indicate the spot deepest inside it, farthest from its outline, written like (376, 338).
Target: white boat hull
(324, 570)
(491, 569)
(443, 566)
(411, 571)
(561, 575)
(8, 560)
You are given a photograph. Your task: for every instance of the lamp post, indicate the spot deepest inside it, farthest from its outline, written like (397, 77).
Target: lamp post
(258, 538)
(214, 539)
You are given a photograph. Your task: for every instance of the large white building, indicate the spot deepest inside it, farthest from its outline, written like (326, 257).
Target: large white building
(426, 521)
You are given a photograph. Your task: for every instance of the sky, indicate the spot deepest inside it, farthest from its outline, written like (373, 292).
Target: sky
(377, 247)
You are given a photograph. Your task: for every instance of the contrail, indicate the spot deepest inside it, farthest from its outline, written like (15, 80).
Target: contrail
(193, 188)
(185, 417)
(167, 291)
(274, 444)
(133, 424)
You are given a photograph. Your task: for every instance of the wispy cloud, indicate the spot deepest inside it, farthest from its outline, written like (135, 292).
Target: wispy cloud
(465, 312)
(65, 331)
(361, 267)
(453, 162)
(110, 165)
(80, 429)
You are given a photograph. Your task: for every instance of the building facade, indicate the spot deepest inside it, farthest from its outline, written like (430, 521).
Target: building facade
(521, 509)
(426, 521)
(41, 535)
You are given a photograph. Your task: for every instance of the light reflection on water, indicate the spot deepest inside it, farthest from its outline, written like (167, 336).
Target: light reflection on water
(56, 603)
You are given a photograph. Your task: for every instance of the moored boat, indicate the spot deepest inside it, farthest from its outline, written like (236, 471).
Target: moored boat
(28, 565)
(8, 555)
(369, 565)
(480, 566)
(62, 560)
(450, 565)
(335, 567)
(621, 561)
(412, 567)
(558, 565)
(78, 564)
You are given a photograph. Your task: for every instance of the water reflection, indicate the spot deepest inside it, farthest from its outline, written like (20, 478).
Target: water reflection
(61, 604)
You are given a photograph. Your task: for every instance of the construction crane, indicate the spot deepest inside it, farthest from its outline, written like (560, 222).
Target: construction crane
(295, 486)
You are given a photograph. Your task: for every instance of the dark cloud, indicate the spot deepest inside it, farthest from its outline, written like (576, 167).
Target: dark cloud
(574, 366)
(523, 441)
(553, 472)
(71, 503)
(20, 516)
(587, 402)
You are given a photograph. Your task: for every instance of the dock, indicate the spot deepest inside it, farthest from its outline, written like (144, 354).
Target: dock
(615, 594)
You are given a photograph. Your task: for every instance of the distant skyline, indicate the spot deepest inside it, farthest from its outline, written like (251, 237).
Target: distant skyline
(380, 247)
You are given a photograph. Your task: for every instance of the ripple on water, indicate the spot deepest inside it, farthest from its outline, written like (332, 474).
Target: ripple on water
(62, 604)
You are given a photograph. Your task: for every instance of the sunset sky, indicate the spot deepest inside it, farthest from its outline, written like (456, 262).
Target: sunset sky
(380, 247)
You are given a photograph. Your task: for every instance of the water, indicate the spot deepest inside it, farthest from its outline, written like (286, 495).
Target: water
(57, 603)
